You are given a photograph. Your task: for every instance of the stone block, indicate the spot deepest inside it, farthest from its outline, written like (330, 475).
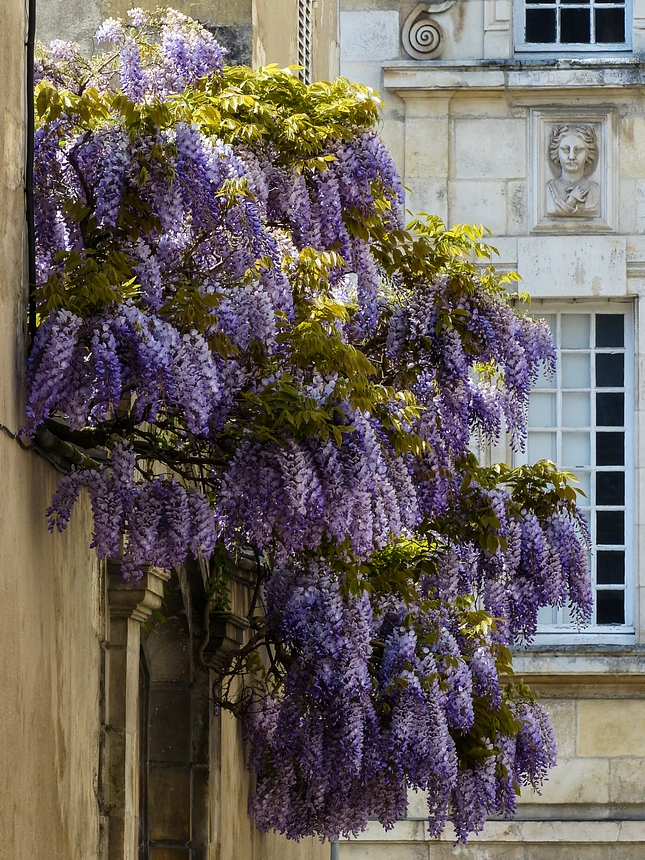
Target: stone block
(563, 717)
(516, 208)
(170, 725)
(573, 781)
(575, 852)
(383, 851)
(635, 249)
(566, 266)
(481, 202)
(169, 793)
(428, 195)
(507, 257)
(490, 149)
(426, 147)
(367, 73)
(478, 106)
(369, 36)
(632, 146)
(477, 852)
(611, 728)
(626, 784)
(639, 196)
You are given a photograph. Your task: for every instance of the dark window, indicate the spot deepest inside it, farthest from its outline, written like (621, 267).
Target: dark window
(575, 22)
(610, 370)
(610, 607)
(610, 449)
(610, 410)
(610, 488)
(610, 330)
(610, 527)
(611, 567)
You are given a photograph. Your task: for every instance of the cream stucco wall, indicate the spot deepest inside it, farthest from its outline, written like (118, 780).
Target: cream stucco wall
(50, 626)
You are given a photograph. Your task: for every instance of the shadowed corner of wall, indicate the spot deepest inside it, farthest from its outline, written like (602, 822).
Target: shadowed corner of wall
(237, 40)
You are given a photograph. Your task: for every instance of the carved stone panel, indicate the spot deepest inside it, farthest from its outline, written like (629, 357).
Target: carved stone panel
(572, 183)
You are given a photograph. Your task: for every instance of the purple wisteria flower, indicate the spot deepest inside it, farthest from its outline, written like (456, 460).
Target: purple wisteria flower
(243, 340)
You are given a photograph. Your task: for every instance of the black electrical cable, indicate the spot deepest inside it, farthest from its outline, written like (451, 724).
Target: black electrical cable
(29, 172)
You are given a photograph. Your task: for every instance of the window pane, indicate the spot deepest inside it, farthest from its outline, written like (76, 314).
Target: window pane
(576, 410)
(575, 25)
(610, 488)
(576, 2)
(610, 567)
(540, 25)
(610, 527)
(610, 25)
(575, 331)
(576, 450)
(546, 615)
(610, 410)
(610, 370)
(609, 330)
(575, 370)
(610, 449)
(542, 410)
(584, 484)
(541, 447)
(610, 607)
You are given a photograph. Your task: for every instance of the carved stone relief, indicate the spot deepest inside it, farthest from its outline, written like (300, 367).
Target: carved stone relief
(423, 37)
(572, 182)
(573, 153)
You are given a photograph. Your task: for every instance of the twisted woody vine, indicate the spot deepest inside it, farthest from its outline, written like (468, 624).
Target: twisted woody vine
(234, 318)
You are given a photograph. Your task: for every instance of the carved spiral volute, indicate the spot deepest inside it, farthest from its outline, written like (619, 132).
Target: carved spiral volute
(422, 36)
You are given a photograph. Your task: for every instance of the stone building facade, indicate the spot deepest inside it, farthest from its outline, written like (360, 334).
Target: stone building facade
(111, 746)
(529, 117)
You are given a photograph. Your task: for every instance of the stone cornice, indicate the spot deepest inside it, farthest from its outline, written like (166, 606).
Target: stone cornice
(414, 77)
(139, 599)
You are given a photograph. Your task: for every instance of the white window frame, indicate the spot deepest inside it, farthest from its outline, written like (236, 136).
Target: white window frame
(623, 634)
(551, 48)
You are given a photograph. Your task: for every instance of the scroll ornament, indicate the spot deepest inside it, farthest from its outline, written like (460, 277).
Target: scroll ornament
(422, 36)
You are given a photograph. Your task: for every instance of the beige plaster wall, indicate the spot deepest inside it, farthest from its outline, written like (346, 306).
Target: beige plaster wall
(49, 588)
(78, 20)
(275, 35)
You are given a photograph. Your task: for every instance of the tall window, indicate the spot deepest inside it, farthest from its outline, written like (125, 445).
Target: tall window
(582, 419)
(580, 25)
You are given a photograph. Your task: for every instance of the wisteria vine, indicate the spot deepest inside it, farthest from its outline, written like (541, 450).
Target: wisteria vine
(236, 324)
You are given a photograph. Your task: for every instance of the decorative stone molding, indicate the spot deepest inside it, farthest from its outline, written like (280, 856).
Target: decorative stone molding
(422, 36)
(130, 604)
(569, 197)
(135, 600)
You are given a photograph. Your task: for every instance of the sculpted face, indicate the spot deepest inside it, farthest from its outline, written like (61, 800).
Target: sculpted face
(573, 154)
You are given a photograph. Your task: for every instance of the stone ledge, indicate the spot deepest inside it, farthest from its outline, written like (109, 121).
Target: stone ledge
(415, 77)
(598, 665)
(534, 832)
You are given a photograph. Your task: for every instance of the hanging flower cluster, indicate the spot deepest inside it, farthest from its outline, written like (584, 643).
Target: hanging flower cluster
(232, 311)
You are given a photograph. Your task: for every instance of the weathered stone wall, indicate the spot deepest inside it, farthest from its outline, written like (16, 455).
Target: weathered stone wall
(468, 129)
(50, 595)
